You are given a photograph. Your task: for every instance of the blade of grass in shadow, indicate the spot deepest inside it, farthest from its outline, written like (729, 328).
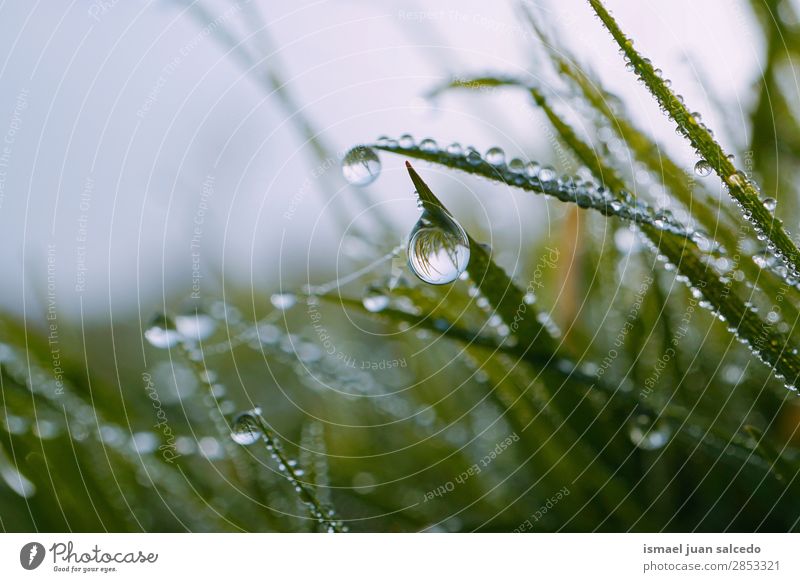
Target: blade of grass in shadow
(564, 404)
(778, 465)
(774, 141)
(516, 395)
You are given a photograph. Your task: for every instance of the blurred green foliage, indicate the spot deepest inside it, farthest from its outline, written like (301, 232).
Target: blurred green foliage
(618, 403)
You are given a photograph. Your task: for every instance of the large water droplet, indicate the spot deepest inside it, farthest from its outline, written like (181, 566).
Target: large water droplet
(702, 168)
(195, 325)
(162, 332)
(649, 435)
(283, 301)
(361, 166)
(375, 299)
(246, 430)
(406, 141)
(770, 204)
(438, 247)
(496, 156)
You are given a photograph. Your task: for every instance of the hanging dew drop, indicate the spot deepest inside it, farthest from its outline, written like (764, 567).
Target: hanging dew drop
(361, 166)
(438, 247)
(246, 429)
(702, 168)
(770, 204)
(162, 332)
(375, 299)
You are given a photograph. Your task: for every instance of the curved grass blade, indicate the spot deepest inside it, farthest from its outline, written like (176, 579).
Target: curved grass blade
(770, 283)
(741, 188)
(567, 189)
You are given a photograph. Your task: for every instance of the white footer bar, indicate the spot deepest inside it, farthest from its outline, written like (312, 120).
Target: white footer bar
(388, 557)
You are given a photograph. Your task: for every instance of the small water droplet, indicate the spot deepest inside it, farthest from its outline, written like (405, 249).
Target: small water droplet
(473, 157)
(770, 204)
(246, 429)
(547, 174)
(195, 325)
(428, 145)
(648, 435)
(438, 247)
(361, 166)
(162, 332)
(454, 149)
(516, 165)
(375, 299)
(702, 168)
(283, 301)
(736, 180)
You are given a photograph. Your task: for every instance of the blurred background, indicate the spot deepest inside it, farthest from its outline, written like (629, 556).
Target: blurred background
(169, 153)
(124, 109)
